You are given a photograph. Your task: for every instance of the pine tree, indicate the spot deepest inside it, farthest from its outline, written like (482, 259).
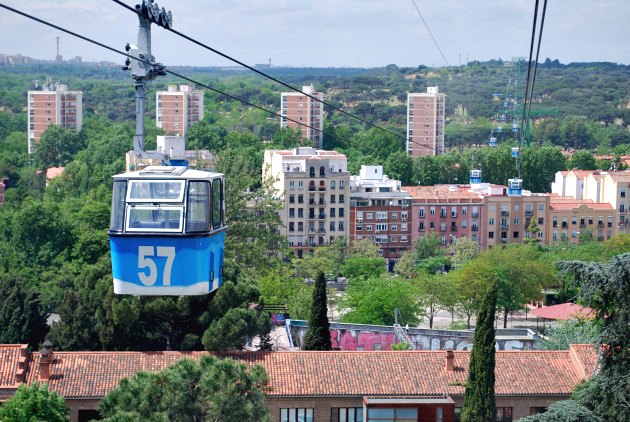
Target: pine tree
(479, 403)
(317, 336)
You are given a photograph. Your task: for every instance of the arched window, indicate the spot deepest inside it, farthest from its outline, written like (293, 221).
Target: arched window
(312, 172)
(322, 171)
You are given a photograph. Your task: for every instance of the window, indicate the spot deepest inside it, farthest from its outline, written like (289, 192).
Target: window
(341, 227)
(432, 225)
(541, 221)
(312, 172)
(517, 221)
(622, 193)
(333, 199)
(504, 414)
(516, 235)
(291, 212)
(300, 184)
(464, 210)
(341, 212)
(291, 226)
(322, 171)
(342, 184)
(342, 199)
(432, 211)
(490, 235)
(296, 415)
(394, 216)
(300, 212)
(331, 226)
(332, 212)
(421, 214)
(300, 226)
(392, 415)
(541, 207)
(368, 216)
(491, 221)
(333, 184)
(292, 184)
(300, 199)
(346, 414)
(403, 227)
(394, 227)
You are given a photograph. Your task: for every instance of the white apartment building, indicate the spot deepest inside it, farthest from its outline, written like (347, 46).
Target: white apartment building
(425, 122)
(304, 114)
(314, 186)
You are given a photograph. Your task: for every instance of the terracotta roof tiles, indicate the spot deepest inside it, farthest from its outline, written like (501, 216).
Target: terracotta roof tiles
(374, 373)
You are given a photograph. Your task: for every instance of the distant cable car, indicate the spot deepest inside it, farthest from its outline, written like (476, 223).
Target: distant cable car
(493, 142)
(499, 129)
(515, 152)
(475, 176)
(515, 186)
(167, 230)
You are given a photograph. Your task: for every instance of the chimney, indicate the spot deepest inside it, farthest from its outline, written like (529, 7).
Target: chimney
(45, 360)
(450, 361)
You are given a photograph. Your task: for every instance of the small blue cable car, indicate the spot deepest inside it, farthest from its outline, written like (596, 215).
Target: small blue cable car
(167, 231)
(493, 141)
(515, 151)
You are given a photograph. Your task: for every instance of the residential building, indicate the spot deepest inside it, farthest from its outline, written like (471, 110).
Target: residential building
(2, 182)
(355, 386)
(381, 212)
(178, 108)
(611, 187)
(425, 122)
(314, 186)
(53, 105)
(508, 217)
(571, 219)
(449, 211)
(304, 113)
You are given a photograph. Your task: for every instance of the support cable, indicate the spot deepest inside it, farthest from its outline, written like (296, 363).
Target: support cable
(430, 33)
(529, 68)
(531, 94)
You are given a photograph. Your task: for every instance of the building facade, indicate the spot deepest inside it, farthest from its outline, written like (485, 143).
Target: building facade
(305, 114)
(425, 123)
(574, 219)
(53, 105)
(178, 108)
(380, 211)
(448, 211)
(314, 187)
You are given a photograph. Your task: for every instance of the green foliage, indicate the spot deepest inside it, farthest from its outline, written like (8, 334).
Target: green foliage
(357, 268)
(583, 160)
(21, 315)
(209, 389)
(57, 146)
(564, 411)
(373, 300)
(317, 336)
(34, 403)
(606, 288)
(435, 293)
(479, 402)
(279, 287)
(569, 332)
(401, 346)
(464, 250)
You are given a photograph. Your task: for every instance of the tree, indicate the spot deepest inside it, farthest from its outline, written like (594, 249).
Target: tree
(34, 403)
(210, 389)
(21, 315)
(606, 288)
(573, 331)
(406, 265)
(516, 270)
(564, 411)
(435, 292)
(479, 402)
(463, 250)
(373, 300)
(583, 160)
(57, 146)
(317, 336)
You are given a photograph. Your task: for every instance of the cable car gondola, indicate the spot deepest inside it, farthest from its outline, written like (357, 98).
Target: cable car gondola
(167, 231)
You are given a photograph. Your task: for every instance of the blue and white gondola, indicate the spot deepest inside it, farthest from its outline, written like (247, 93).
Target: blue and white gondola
(167, 231)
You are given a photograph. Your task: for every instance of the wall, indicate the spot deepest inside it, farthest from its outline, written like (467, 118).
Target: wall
(376, 337)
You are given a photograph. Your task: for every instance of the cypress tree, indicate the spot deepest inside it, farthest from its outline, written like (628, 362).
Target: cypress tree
(479, 403)
(317, 336)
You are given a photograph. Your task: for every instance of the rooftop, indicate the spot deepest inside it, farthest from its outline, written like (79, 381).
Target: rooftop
(378, 373)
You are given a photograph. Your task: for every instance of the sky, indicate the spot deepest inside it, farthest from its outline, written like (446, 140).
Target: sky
(327, 33)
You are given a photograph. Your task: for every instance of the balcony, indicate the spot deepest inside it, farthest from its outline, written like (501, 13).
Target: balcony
(609, 224)
(311, 216)
(453, 215)
(505, 226)
(311, 202)
(555, 224)
(600, 238)
(453, 228)
(529, 213)
(312, 188)
(322, 202)
(475, 215)
(442, 215)
(564, 225)
(321, 215)
(504, 240)
(600, 224)
(505, 213)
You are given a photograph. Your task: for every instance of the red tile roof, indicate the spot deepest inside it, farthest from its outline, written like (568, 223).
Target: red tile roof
(375, 373)
(563, 311)
(12, 359)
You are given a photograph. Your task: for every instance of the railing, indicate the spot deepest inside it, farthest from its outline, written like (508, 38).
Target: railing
(505, 213)
(529, 213)
(475, 215)
(474, 228)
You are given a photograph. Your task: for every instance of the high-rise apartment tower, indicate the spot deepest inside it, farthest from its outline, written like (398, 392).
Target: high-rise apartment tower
(425, 123)
(178, 108)
(305, 114)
